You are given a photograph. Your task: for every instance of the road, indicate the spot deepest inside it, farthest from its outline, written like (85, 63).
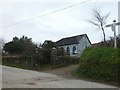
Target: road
(20, 78)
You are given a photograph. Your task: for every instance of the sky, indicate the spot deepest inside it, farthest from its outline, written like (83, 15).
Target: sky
(23, 17)
(119, 17)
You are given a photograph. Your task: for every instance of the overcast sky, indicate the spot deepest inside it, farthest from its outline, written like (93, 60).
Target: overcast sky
(65, 23)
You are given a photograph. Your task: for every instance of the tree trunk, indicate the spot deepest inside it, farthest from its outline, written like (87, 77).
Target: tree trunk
(103, 34)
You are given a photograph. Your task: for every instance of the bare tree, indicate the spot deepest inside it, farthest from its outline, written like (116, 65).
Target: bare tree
(2, 43)
(99, 20)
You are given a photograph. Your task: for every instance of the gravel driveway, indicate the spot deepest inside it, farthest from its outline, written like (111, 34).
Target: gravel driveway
(20, 78)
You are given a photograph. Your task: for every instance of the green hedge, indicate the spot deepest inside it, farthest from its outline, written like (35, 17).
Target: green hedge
(100, 64)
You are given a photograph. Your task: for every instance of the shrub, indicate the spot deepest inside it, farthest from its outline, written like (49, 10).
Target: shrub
(100, 63)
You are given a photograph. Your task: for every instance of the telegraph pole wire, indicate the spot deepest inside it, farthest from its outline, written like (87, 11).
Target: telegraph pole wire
(44, 14)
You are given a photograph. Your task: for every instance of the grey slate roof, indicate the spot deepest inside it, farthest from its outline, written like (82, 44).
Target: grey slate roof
(70, 40)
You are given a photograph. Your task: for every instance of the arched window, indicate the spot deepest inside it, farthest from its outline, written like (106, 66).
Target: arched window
(68, 50)
(74, 50)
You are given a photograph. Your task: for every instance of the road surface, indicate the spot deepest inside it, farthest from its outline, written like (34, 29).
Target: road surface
(20, 78)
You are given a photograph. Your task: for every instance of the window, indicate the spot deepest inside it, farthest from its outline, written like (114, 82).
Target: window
(68, 50)
(74, 50)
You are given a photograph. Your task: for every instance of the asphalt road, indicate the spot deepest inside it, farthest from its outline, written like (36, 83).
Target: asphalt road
(20, 78)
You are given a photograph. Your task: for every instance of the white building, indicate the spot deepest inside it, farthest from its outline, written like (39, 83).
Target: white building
(75, 45)
(119, 17)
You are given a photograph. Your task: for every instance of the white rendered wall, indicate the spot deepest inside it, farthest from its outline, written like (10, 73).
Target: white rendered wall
(83, 44)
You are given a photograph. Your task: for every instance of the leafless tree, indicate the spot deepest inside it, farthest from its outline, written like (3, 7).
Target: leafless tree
(2, 42)
(99, 20)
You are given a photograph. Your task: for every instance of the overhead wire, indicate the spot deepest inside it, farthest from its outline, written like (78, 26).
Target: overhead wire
(58, 10)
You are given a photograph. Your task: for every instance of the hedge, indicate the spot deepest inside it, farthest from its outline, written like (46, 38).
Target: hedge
(100, 64)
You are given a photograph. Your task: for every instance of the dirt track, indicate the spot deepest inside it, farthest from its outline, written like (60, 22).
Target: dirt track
(66, 71)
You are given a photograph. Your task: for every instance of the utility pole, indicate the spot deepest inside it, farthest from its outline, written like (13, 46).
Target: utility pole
(113, 27)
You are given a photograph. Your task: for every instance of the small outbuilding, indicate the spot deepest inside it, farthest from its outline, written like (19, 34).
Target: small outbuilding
(74, 45)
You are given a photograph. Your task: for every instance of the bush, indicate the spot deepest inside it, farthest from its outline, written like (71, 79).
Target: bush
(100, 63)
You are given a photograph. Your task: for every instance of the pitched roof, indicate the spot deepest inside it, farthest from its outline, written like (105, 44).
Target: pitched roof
(70, 40)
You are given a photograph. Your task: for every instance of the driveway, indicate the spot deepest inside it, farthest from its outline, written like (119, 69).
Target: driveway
(20, 78)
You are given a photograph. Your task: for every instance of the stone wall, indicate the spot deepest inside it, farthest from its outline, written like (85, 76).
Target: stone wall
(62, 59)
